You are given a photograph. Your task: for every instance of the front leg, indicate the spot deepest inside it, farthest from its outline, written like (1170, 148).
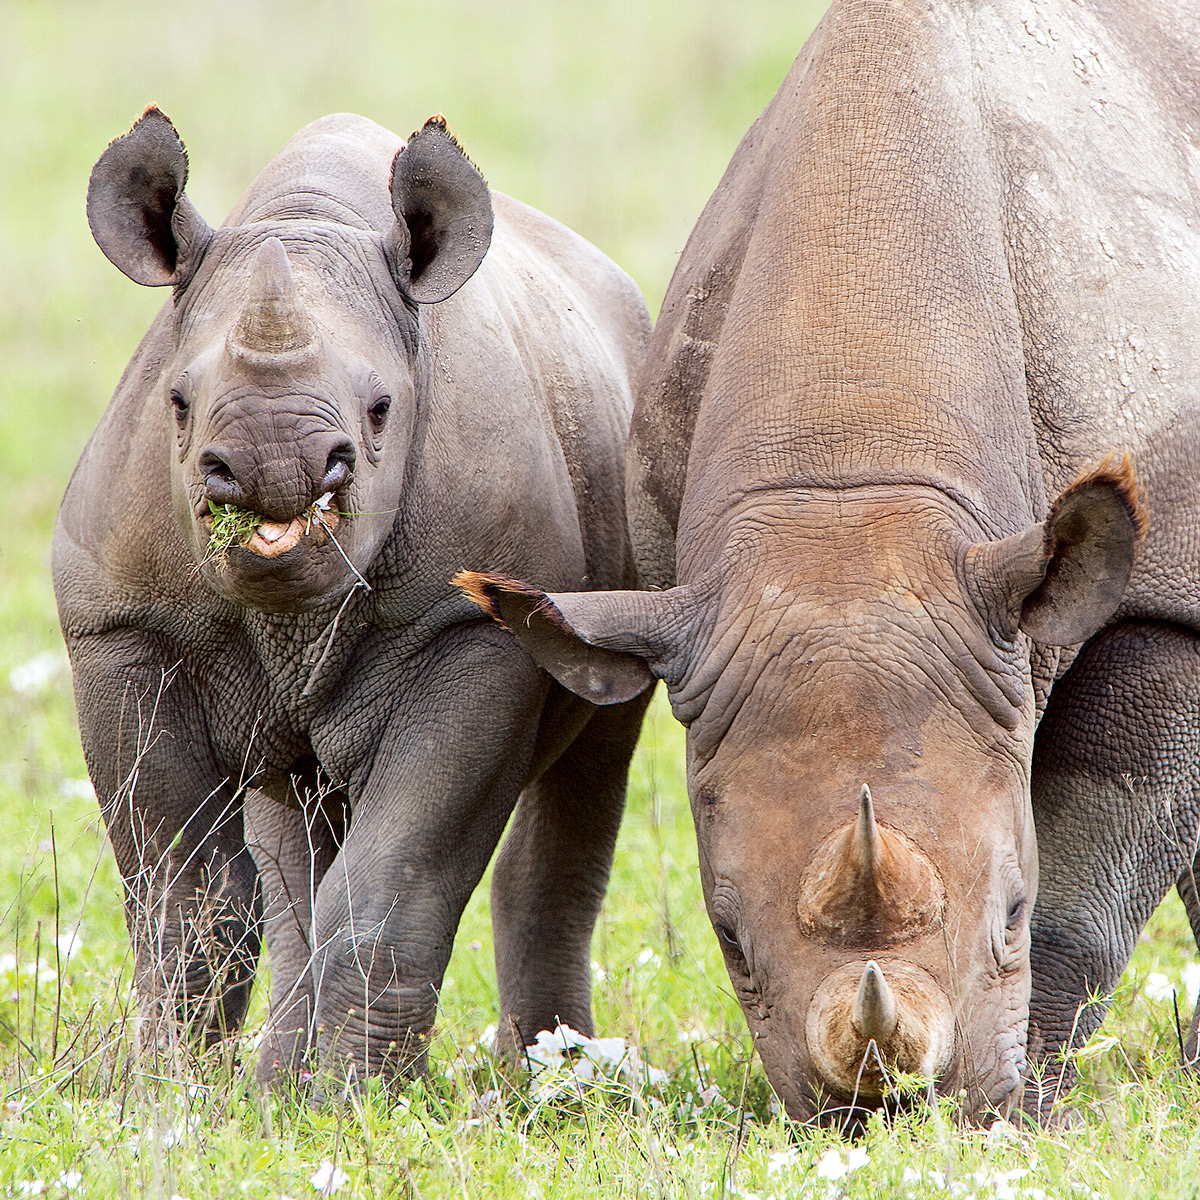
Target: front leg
(174, 820)
(1116, 790)
(294, 834)
(453, 755)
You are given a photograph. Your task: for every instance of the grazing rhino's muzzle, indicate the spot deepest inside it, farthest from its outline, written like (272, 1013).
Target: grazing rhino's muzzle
(865, 1024)
(274, 339)
(265, 418)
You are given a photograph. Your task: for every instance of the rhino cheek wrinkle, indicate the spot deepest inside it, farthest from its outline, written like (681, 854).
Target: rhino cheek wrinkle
(376, 372)
(913, 495)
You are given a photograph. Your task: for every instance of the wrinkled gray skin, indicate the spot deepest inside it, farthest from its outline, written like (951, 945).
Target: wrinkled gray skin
(953, 267)
(368, 744)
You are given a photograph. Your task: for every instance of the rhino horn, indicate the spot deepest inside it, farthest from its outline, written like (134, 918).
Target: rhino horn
(873, 1012)
(860, 1028)
(865, 850)
(273, 320)
(869, 885)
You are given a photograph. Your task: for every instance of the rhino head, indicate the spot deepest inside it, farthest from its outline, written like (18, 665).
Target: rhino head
(856, 679)
(293, 392)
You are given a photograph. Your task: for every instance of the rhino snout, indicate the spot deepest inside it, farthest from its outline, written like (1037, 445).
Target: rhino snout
(279, 482)
(867, 1021)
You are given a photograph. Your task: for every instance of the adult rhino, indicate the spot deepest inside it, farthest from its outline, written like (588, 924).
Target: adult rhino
(940, 309)
(388, 398)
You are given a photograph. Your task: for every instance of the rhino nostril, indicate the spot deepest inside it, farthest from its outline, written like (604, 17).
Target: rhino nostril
(220, 483)
(339, 469)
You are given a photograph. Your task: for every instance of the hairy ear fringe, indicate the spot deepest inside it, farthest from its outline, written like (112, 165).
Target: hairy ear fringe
(439, 122)
(1115, 470)
(484, 589)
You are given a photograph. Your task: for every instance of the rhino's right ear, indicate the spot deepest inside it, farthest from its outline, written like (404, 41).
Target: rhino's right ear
(137, 209)
(443, 215)
(604, 646)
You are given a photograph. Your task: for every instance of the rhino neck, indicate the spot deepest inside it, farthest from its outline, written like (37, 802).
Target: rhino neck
(873, 334)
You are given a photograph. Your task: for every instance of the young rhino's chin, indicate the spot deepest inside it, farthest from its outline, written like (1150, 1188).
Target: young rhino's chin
(293, 580)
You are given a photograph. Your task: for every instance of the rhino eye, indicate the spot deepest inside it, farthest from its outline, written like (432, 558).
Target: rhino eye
(731, 947)
(1016, 913)
(378, 413)
(179, 405)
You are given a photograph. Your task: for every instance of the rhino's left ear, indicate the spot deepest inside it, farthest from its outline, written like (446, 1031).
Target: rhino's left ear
(443, 215)
(137, 209)
(1061, 580)
(604, 646)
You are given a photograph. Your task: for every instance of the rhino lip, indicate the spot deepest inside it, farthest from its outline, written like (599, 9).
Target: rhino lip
(271, 539)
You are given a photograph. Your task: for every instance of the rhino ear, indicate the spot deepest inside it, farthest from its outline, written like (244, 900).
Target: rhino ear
(443, 215)
(1061, 580)
(137, 209)
(604, 646)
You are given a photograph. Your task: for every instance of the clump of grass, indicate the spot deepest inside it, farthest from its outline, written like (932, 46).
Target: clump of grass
(231, 526)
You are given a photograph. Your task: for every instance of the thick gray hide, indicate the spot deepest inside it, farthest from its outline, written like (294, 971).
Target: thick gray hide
(372, 743)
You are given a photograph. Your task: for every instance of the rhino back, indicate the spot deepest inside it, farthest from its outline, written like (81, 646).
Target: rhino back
(530, 401)
(956, 250)
(1096, 112)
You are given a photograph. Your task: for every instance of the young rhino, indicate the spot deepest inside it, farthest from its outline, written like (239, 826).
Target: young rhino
(381, 377)
(943, 300)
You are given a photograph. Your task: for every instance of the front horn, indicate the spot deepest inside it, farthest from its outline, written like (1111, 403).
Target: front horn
(273, 321)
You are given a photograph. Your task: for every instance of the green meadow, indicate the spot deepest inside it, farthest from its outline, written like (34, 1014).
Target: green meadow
(618, 119)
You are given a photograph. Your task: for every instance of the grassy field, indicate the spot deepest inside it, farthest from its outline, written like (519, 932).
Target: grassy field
(617, 118)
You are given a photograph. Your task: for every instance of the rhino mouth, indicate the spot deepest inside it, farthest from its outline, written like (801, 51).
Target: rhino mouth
(228, 526)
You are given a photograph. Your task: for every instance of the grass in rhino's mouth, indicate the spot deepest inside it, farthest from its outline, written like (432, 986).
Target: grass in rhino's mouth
(233, 526)
(230, 526)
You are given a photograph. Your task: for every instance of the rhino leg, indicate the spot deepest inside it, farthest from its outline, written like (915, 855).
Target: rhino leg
(174, 820)
(1189, 893)
(293, 843)
(550, 877)
(1116, 791)
(456, 750)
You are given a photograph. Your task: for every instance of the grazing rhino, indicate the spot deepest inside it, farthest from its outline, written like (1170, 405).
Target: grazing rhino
(378, 397)
(940, 309)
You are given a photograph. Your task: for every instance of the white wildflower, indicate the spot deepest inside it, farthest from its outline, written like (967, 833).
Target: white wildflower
(777, 1160)
(1002, 1131)
(1191, 981)
(832, 1165)
(1157, 986)
(647, 957)
(69, 1180)
(69, 944)
(31, 1187)
(327, 1178)
(485, 1103)
(35, 674)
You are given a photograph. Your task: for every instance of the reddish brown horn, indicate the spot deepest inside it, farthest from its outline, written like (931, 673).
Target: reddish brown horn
(868, 885)
(273, 320)
(864, 847)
